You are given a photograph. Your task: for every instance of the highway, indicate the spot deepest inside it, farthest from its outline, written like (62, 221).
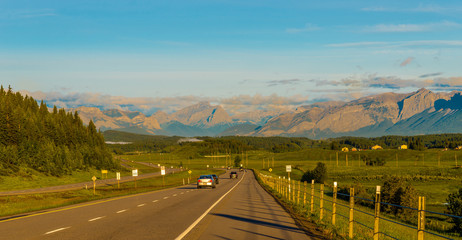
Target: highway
(236, 209)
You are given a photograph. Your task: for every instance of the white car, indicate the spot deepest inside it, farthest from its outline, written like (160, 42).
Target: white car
(206, 181)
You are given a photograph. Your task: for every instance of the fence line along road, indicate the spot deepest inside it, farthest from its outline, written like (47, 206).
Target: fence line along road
(352, 218)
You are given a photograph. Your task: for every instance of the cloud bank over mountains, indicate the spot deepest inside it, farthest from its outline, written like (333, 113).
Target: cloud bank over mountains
(150, 105)
(345, 89)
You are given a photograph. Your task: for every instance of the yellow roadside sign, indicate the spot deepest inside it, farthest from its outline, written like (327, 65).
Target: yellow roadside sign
(270, 170)
(189, 171)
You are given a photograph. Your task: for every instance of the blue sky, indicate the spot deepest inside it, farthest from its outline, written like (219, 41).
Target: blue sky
(245, 55)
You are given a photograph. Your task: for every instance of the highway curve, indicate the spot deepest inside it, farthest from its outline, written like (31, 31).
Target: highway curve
(236, 209)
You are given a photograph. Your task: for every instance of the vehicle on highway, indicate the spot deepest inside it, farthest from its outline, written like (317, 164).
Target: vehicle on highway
(233, 175)
(215, 177)
(206, 181)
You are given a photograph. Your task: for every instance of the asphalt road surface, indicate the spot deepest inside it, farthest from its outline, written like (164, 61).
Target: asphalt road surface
(236, 209)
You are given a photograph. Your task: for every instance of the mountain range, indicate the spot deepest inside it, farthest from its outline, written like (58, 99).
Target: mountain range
(420, 112)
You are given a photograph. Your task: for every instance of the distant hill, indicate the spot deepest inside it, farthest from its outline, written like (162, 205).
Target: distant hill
(420, 112)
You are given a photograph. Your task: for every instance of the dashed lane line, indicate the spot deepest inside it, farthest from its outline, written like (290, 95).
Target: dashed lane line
(165, 197)
(121, 211)
(155, 201)
(175, 195)
(141, 205)
(94, 219)
(57, 230)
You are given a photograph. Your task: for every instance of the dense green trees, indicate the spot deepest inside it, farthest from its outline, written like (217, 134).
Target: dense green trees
(398, 192)
(455, 208)
(54, 143)
(319, 174)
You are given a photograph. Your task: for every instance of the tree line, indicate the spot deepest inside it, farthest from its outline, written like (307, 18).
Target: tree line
(54, 143)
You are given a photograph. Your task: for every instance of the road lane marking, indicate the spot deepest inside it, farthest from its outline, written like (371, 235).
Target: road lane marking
(141, 205)
(155, 201)
(121, 211)
(175, 195)
(165, 197)
(206, 212)
(57, 230)
(94, 219)
(182, 193)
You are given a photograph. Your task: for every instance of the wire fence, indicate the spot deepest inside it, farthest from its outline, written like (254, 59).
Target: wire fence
(356, 220)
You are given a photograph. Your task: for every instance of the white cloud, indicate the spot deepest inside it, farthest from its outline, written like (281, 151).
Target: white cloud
(27, 13)
(407, 61)
(233, 105)
(400, 28)
(422, 43)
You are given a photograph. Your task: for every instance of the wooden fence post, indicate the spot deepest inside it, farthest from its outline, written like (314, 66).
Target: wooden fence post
(312, 196)
(293, 191)
(377, 214)
(321, 204)
(298, 193)
(421, 219)
(352, 206)
(304, 193)
(334, 203)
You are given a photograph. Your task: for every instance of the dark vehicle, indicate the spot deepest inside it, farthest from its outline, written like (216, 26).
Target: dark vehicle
(206, 181)
(215, 177)
(233, 175)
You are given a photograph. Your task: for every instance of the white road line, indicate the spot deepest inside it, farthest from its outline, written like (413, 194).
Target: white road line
(94, 219)
(155, 201)
(57, 230)
(206, 212)
(141, 205)
(182, 193)
(175, 195)
(121, 211)
(165, 197)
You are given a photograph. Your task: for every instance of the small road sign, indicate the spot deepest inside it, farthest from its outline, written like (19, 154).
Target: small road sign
(118, 175)
(93, 178)
(288, 168)
(162, 170)
(104, 171)
(135, 172)
(270, 170)
(189, 171)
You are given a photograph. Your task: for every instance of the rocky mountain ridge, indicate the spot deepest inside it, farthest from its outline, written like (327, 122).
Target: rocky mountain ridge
(420, 112)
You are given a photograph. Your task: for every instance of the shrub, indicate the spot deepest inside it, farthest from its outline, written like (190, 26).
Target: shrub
(455, 208)
(398, 192)
(237, 161)
(319, 174)
(378, 161)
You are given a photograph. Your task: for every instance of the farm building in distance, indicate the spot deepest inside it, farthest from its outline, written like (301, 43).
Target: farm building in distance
(402, 147)
(376, 147)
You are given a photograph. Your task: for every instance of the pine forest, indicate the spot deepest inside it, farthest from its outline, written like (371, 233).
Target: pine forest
(53, 142)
